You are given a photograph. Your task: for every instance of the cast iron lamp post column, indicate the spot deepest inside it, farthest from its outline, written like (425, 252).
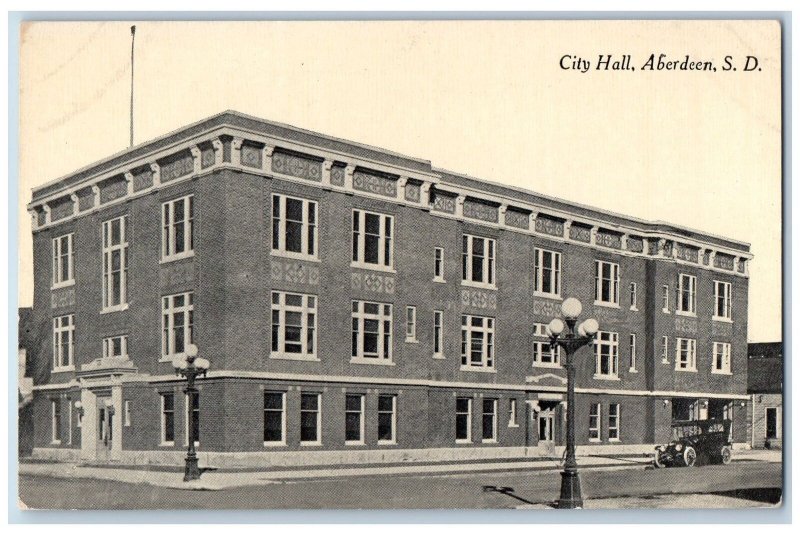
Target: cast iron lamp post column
(191, 367)
(571, 341)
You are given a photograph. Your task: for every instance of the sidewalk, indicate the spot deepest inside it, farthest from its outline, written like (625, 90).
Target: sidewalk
(665, 501)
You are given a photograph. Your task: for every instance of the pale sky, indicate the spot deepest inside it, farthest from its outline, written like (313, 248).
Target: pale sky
(487, 99)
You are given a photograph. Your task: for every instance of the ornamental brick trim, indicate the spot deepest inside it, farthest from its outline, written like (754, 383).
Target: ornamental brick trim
(478, 210)
(363, 181)
(297, 165)
(550, 226)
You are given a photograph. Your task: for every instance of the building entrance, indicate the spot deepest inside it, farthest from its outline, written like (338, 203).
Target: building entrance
(105, 428)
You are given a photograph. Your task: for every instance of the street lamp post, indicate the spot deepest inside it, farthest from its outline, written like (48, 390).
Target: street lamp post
(571, 341)
(191, 367)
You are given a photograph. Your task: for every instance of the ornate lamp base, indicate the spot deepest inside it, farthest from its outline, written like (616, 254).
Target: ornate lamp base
(571, 497)
(192, 470)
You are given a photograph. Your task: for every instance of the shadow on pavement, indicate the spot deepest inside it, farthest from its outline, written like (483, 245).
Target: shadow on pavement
(768, 495)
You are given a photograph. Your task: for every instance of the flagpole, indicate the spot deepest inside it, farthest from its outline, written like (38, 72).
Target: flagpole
(133, 38)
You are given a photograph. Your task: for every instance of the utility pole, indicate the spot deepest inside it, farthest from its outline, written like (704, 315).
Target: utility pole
(133, 40)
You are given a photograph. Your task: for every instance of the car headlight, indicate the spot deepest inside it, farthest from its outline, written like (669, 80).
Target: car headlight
(678, 447)
(661, 448)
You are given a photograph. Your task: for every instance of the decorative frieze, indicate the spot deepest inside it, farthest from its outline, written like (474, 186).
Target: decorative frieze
(372, 183)
(61, 208)
(478, 210)
(549, 309)
(337, 175)
(252, 155)
(686, 253)
(443, 203)
(608, 239)
(142, 179)
(372, 282)
(741, 265)
(41, 216)
(64, 297)
(550, 226)
(176, 274)
(297, 166)
(706, 257)
(652, 247)
(293, 272)
(207, 157)
(635, 245)
(113, 188)
(413, 192)
(85, 199)
(723, 261)
(518, 219)
(479, 299)
(686, 325)
(721, 329)
(176, 166)
(580, 233)
(667, 248)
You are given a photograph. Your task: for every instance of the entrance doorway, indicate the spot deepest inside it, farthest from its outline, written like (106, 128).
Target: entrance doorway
(105, 428)
(546, 425)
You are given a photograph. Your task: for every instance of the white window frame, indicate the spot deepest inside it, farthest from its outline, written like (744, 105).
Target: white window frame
(308, 228)
(595, 414)
(633, 287)
(438, 334)
(385, 333)
(126, 413)
(610, 340)
(727, 300)
(488, 262)
(55, 421)
(64, 326)
(539, 275)
(512, 413)
(361, 418)
(108, 272)
(612, 282)
(359, 236)
(665, 349)
(69, 422)
(686, 354)
(108, 346)
(186, 418)
(487, 327)
(169, 309)
(493, 414)
(614, 422)
(282, 441)
(59, 257)
(721, 358)
(665, 298)
(468, 439)
(687, 284)
(541, 348)
(393, 413)
(169, 227)
(633, 348)
(438, 264)
(317, 442)
(163, 434)
(308, 322)
(411, 324)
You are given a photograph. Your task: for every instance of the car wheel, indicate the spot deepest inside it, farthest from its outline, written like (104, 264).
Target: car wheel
(689, 456)
(725, 455)
(657, 460)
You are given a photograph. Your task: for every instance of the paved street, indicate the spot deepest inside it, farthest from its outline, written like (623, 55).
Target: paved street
(425, 492)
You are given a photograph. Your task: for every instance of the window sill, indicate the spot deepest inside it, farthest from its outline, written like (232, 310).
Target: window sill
(664, 361)
(387, 443)
(63, 284)
(374, 362)
(595, 440)
(633, 309)
(287, 356)
(115, 308)
(721, 319)
(606, 304)
(435, 279)
(354, 443)
(55, 442)
(310, 444)
(606, 377)
(489, 441)
(175, 257)
(482, 285)
(665, 310)
(440, 357)
(477, 369)
(513, 425)
(690, 370)
(372, 267)
(632, 370)
(554, 297)
(614, 440)
(721, 372)
(274, 444)
(463, 441)
(547, 365)
(411, 341)
(294, 256)
(167, 444)
(686, 314)
(62, 369)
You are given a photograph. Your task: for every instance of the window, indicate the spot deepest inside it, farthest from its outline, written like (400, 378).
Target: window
(69, 421)
(543, 355)
(771, 423)
(463, 419)
(55, 416)
(489, 420)
(687, 285)
(613, 421)
(372, 331)
(193, 417)
(722, 358)
(372, 239)
(115, 263)
(310, 419)
(665, 298)
(63, 260)
(168, 418)
(294, 226)
(115, 346)
(633, 352)
(686, 354)
(177, 228)
(438, 264)
(126, 411)
(63, 342)
(546, 272)
(633, 296)
(606, 347)
(387, 419)
(512, 413)
(477, 342)
(438, 335)
(274, 418)
(606, 283)
(354, 419)
(177, 324)
(294, 325)
(722, 300)
(594, 422)
(478, 260)
(665, 349)
(411, 324)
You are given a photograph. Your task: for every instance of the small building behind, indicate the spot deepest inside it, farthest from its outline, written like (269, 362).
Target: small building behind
(765, 386)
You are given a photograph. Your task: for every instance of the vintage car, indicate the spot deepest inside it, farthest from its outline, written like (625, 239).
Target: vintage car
(706, 441)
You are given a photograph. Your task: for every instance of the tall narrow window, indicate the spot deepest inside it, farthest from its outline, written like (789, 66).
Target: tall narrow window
(310, 419)
(438, 264)
(606, 283)
(687, 298)
(294, 325)
(477, 264)
(606, 347)
(115, 346)
(546, 272)
(115, 263)
(722, 300)
(665, 349)
(613, 421)
(167, 418)
(665, 298)
(372, 331)
(543, 355)
(512, 412)
(489, 420)
(372, 239)
(633, 352)
(594, 422)
(63, 342)
(686, 354)
(463, 419)
(771, 422)
(438, 334)
(177, 228)
(126, 413)
(633, 296)
(722, 358)
(354, 419)
(274, 418)
(387, 419)
(63, 260)
(294, 226)
(55, 416)
(177, 324)
(411, 324)
(477, 342)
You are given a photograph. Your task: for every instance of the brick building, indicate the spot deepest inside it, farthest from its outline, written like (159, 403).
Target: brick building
(765, 386)
(358, 305)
